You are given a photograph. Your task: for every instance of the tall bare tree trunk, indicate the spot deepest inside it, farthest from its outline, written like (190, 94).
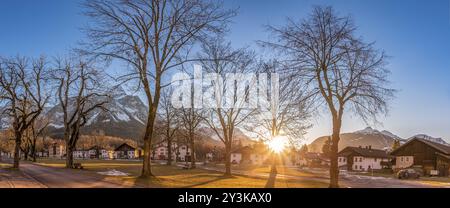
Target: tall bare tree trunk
(192, 144)
(147, 164)
(69, 157)
(33, 149)
(334, 169)
(169, 152)
(18, 139)
(228, 160)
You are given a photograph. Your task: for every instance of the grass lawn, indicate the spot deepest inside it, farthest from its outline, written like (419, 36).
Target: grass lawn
(266, 169)
(435, 181)
(176, 177)
(4, 165)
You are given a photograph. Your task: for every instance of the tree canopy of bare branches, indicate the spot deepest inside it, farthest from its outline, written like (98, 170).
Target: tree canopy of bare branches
(290, 118)
(152, 37)
(79, 93)
(348, 73)
(221, 59)
(22, 95)
(171, 122)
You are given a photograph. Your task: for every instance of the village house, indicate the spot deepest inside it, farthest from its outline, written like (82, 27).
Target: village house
(249, 155)
(161, 152)
(56, 150)
(97, 152)
(209, 156)
(241, 155)
(312, 159)
(259, 158)
(363, 159)
(125, 151)
(80, 154)
(259, 155)
(433, 158)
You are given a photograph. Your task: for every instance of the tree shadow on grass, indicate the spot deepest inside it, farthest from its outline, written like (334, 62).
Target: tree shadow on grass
(272, 178)
(148, 182)
(218, 178)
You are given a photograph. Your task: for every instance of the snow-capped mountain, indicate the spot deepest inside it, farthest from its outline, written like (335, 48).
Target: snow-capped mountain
(366, 137)
(126, 117)
(370, 130)
(429, 138)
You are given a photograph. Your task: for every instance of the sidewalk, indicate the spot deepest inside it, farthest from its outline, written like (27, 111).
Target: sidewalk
(16, 179)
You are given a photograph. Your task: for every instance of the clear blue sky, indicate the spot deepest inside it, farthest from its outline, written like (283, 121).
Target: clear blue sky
(415, 33)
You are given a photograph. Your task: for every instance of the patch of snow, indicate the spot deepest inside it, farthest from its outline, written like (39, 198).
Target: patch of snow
(430, 138)
(130, 110)
(122, 116)
(57, 126)
(92, 119)
(113, 173)
(389, 134)
(368, 130)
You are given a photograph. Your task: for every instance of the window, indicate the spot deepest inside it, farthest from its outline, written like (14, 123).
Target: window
(360, 159)
(356, 159)
(407, 159)
(340, 159)
(376, 159)
(356, 167)
(360, 167)
(401, 158)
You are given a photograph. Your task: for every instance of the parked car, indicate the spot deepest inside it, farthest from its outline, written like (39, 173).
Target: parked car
(409, 174)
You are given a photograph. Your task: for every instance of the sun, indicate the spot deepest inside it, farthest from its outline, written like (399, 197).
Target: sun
(278, 144)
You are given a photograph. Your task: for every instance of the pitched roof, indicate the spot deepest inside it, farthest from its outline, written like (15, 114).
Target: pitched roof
(438, 146)
(365, 152)
(123, 145)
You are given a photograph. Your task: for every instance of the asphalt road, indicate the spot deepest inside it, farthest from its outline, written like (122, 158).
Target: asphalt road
(64, 178)
(361, 181)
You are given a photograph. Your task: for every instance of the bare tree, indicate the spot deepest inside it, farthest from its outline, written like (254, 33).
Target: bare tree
(170, 121)
(37, 129)
(30, 138)
(219, 58)
(152, 37)
(348, 73)
(79, 94)
(22, 97)
(289, 115)
(191, 119)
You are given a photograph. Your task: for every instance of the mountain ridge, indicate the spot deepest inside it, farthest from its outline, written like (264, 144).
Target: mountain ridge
(370, 137)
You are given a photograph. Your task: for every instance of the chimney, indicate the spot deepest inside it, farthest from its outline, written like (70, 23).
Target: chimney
(370, 147)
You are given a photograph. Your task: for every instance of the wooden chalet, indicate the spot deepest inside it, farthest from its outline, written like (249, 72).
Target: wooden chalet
(432, 157)
(125, 151)
(363, 159)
